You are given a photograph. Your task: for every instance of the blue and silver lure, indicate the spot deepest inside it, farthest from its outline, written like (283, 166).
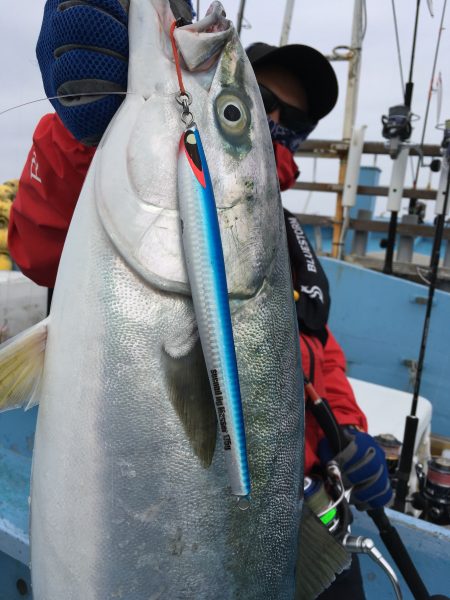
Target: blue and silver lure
(206, 270)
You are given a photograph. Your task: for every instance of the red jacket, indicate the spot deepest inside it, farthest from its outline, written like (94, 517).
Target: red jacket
(41, 213)
(325, 367)
(49, 187)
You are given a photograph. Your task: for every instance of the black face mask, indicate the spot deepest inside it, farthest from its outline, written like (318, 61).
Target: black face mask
(289, 138)
(291, 117)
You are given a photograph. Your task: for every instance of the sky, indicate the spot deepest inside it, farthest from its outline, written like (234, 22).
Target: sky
(323, 24)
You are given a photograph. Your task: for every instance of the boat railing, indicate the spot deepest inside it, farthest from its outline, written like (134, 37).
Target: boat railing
(367, 236)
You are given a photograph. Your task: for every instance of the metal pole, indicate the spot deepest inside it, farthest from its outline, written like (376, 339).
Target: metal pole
(350, 113)
(198, 10)
(240, 17)
(288, 11)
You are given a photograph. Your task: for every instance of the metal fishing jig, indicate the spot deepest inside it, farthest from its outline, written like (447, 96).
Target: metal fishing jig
(207, 277)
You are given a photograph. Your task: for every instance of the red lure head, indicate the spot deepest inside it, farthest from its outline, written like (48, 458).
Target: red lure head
(189, 146)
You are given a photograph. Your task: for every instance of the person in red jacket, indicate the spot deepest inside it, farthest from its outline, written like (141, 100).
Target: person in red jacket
(298, 87)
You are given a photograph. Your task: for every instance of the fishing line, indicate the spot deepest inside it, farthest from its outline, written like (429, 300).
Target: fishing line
(398, 47)
(430, 91)
(11, 108)
(176, 58)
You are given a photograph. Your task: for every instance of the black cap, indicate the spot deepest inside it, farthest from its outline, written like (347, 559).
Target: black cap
(312, 68)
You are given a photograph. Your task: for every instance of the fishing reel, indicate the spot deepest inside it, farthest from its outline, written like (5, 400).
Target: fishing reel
(327, 499)
(445, 145)
(391, 447)
(433, 497)
(397, 128)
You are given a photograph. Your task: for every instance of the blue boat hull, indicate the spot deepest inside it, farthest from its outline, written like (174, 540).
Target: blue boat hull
(428, 545)
(378, 320)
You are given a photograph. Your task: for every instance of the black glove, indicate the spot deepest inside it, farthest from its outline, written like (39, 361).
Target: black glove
(83, 48)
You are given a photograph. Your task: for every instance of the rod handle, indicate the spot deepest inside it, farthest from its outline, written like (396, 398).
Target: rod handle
(399, 553)
(327, 421)
(406, 460)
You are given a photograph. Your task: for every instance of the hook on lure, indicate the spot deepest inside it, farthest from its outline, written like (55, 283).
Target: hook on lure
(202, 248)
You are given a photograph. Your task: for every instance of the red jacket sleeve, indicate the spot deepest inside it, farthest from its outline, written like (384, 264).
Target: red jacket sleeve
(325, 367)
(49, 187)
(339, 392)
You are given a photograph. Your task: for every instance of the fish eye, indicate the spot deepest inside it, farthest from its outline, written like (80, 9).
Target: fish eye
(233, 115)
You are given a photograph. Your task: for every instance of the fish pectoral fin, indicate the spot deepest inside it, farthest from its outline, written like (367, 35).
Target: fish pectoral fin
(190, 394)
(21, 366)
(320, 557)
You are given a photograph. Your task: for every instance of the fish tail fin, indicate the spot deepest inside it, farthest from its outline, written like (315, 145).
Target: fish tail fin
(320, 558)
(21, 366)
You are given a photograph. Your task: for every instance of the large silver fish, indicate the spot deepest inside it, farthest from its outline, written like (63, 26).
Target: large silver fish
(130, 495)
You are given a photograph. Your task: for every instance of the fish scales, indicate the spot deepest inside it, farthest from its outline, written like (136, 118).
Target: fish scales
(134, 479)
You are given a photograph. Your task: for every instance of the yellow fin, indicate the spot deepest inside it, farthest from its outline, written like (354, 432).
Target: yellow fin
(21, 366)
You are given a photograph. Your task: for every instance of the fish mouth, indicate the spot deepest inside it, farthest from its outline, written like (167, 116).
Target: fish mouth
(201, 42)
(214, 21)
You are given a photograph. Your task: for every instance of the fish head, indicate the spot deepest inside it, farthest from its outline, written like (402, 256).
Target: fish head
(136, 184)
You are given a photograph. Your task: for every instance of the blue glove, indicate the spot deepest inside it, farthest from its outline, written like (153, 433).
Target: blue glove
(83, 48)
(363, 466)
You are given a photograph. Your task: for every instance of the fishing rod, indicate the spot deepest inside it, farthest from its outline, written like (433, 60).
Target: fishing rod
(427, 110)
(397, 129)
(240, 17)
(338, 441)
(442, 208)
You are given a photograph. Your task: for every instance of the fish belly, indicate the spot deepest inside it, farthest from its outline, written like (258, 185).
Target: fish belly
(121, 507)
